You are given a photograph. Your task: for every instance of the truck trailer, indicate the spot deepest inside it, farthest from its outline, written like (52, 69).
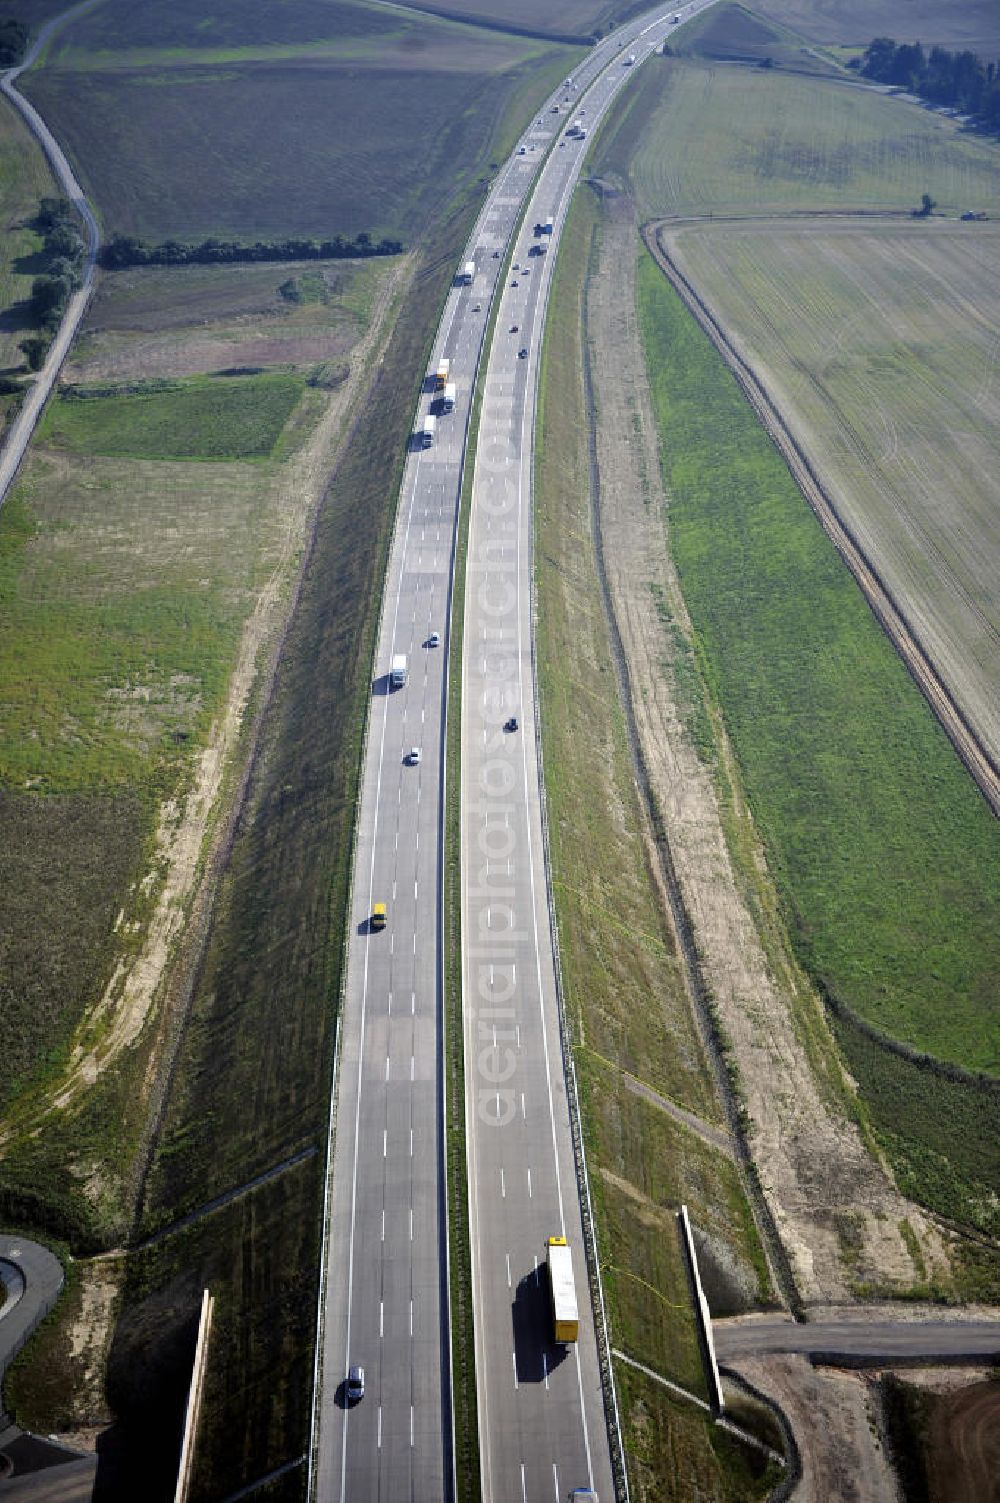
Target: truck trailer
(397, 671)
(448, 399)
(468, 273)
(428, 431)
(562, 1290)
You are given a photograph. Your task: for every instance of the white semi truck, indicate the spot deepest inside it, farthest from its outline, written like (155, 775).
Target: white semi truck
(429, 430)
(468, 273)
(448, 399)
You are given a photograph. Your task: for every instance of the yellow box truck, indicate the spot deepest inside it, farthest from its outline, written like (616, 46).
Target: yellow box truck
(562, 1290)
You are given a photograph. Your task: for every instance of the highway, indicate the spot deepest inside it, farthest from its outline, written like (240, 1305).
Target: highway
(543, 1428)
(384, 1281)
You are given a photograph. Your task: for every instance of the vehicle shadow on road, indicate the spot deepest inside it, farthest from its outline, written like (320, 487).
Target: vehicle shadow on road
(381, 686)
(535, 1354)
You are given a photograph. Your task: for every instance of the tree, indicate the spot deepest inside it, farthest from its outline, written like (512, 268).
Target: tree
(927, 207)
(34, 349)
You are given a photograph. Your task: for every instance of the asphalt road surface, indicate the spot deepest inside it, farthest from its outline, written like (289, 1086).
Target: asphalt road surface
(30, 1280)
(876, 1342)
(384, 1294)
(543, 1429)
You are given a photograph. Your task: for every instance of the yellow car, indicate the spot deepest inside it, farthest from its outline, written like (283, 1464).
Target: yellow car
(379, 916)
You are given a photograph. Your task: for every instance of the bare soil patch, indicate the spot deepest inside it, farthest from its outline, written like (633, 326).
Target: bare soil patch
(963, 1445)
(836, 1427)
(838, 1213)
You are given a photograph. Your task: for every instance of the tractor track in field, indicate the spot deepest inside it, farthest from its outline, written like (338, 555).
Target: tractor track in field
(887, 610)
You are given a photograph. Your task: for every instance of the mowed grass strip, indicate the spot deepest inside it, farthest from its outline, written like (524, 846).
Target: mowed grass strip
(699, 138)
(206, 418)
(622, 980)
(885, 855)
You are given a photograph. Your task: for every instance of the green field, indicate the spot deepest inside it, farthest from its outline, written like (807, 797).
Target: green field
(878, 345)
(206, 418)
(623, 983)
(886, 857)
(960, 24)
(311, 120)
(698, 138)
(124, 598)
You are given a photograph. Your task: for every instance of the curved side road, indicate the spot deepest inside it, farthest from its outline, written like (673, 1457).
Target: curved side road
(23, 427)
(32, 1278)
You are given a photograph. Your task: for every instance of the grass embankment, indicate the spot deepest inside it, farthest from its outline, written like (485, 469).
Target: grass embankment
(698, 138)
(313, 119)
(886, 858)
(623, 982)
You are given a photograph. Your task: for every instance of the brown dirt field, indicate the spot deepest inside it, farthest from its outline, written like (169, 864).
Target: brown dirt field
(824, 1189)
(836, 1428)
(963, 1445)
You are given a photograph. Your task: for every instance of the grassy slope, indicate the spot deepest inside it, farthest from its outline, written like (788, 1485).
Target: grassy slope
(617, 954)
(116, 648)
(319, 134)
(885, 855)
(700, 139)
(767, 142)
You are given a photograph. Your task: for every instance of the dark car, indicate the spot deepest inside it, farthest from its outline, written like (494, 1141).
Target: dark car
(522, 354)
(511, 724)
(355, 1385)
(513, 328)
